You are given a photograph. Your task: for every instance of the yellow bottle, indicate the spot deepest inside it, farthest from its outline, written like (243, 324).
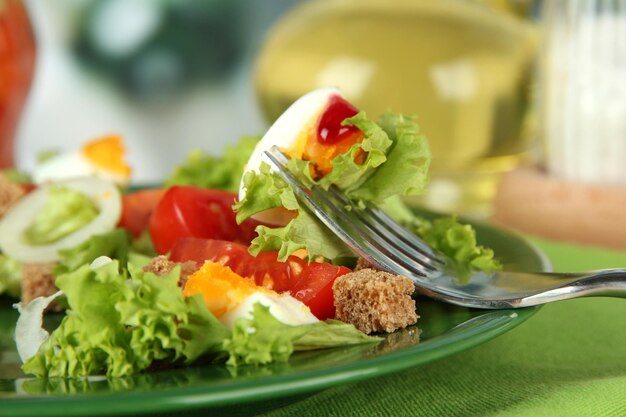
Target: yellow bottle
(462, 67)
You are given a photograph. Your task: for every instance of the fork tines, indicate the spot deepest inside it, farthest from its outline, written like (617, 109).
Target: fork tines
(368, 231)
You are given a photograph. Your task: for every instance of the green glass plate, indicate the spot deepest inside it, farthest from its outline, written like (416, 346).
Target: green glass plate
(442, 330)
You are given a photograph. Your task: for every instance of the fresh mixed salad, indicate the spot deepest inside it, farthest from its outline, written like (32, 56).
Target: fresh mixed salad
(220, 263)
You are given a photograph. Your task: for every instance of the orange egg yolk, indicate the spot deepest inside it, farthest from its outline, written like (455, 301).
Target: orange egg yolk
(326, 137)
(221, 288)
(107, 153)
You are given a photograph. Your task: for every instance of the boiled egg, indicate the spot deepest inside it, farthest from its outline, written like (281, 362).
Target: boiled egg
(310, 129)
(229, 296)
(102, 158)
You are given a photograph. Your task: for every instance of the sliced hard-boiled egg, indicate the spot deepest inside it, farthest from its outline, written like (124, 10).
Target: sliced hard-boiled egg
(102, 157)
(14, 224)
(310, 129)
(229, 296)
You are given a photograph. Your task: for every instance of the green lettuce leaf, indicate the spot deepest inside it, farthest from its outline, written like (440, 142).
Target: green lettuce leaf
(332, 333)
(303, 232)
(115, 244)
(224, 173)
(91, 339)
(264, 339)
(266, 190)
(166, 326)
(347, 174)
(120, 323)
(10, 276)
(143, 245)
(458, 243)
(261, 340)
(396, 163)
(405, 171)
(64, 212)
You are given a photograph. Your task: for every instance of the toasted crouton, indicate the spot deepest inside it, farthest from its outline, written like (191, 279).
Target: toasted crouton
(362, 263)
(38, 281)
(10, 192)
(160, 265)
(374, 301)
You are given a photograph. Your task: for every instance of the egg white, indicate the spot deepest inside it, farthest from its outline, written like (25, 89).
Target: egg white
(73, 165)
(288, 127)
(283, 307)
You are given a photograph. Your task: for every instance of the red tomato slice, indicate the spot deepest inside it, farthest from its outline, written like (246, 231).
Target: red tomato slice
(315, 288)
(186, 211)
(265, 269)
(137, 208)
(310, 283)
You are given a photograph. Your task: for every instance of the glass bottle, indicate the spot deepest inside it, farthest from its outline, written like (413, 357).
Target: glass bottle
(463, 67)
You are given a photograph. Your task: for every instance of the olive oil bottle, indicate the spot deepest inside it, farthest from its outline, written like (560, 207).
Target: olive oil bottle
(462, 67)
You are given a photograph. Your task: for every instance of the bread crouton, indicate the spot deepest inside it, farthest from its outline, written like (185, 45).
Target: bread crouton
(374, 301)
(38, 281)
(10, 192)
(160, 265)
(362, 263)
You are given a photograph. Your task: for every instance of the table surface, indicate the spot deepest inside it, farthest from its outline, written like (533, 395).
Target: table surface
(569, 359)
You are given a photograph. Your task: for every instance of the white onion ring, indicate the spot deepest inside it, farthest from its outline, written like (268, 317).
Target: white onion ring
(20, 216)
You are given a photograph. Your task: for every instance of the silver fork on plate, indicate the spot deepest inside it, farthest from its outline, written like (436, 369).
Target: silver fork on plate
(386, 245)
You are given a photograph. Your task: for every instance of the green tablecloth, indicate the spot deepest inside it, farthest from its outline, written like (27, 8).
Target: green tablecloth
(567, 360)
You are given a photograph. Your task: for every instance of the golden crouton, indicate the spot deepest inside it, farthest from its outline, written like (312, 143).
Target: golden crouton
(160, 265)
(10, 192)
(38, 281)
(374, 301)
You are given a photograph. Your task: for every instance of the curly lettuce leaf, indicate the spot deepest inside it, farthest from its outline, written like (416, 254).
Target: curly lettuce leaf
(165, 325)
(120, 323)
(303, 232)
(266, 190)
(90, 339)
(458, 243)
(10, 276)
(64, 212)
(264, 339)
(224, 173)
(396, 163)
(346, 173)
(405, 171)
(115, 244)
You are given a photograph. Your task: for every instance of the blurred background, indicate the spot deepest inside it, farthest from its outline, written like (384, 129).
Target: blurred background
(496, 85)
(167, 75)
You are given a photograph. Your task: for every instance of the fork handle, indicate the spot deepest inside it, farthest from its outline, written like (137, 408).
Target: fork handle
(602, 283)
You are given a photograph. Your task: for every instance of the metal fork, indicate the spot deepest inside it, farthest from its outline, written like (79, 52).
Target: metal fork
(387, 246)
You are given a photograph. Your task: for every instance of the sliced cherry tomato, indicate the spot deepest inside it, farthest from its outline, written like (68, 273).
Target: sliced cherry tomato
(265, 269)
(315, 288)
(310, 283)
(137, 208)
(186, 211)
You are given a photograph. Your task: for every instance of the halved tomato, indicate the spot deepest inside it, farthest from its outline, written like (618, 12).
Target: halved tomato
(265, 269)
(315, 288)
(186, 211)
(137, 208)
(310, 283)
